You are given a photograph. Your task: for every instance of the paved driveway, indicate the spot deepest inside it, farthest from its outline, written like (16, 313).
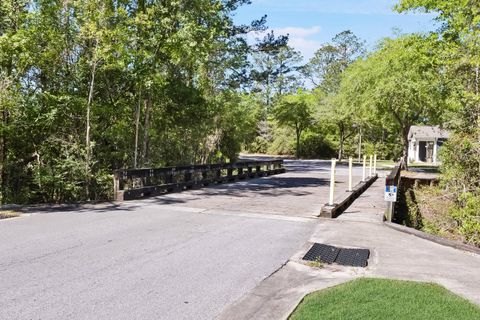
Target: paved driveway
(180, 256)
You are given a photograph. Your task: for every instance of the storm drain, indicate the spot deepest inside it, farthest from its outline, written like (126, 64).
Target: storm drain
(344, 256)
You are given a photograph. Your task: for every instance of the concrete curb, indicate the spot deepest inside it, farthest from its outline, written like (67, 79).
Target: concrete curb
(337, 209)
(433, 238)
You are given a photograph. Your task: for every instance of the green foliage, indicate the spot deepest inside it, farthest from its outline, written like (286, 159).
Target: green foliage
(315, 146)
(459, 52)
(461, 176)
(283, 141)
(329, 62)
(87, 87)
(467, 215)
(295, 111)
(399, 85)
(461, 162)
(6, 214)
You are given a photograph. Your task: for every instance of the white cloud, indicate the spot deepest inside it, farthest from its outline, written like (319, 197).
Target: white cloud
(298, 32)
(306, 46)
(299, 38)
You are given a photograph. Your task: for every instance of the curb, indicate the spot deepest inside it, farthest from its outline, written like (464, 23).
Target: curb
(333, 211)
(433, 238)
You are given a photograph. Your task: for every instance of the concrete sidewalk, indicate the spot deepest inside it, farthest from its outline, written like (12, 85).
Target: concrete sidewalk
(394, 255)
(369, 207)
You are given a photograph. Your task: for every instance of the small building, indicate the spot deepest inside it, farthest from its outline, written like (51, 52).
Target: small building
(424, 143)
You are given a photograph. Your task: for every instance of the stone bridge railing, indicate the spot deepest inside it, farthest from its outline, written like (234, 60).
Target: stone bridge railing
(138, 183)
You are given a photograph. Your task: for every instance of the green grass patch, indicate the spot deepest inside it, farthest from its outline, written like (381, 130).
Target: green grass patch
(384, 164)
(8, 214)
(385, 299)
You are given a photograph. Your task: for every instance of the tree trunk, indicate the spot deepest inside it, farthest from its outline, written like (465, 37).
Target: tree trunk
(137, 125)
(297, 149)
(405, 130)
(3, 157)
(360, 145)
(87, 132)
(342, 138)
(146, 127)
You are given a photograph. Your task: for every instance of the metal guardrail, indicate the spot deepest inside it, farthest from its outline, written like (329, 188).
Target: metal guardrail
(138, 183)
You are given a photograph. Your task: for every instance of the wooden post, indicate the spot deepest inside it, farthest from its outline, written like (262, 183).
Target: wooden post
(332, 182)
(370, 167)
(350, 167)
(375, 164)
(117, 193)
(364, 168)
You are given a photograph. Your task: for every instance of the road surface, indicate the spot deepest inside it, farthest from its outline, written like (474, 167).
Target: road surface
(178, 256)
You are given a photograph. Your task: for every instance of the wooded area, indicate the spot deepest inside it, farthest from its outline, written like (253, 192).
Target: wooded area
(88, 87)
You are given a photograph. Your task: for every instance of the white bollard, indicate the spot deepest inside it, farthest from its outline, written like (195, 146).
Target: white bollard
(364, 168)
(370, 167)
(332, 182)
(350, 167)
(375, 164)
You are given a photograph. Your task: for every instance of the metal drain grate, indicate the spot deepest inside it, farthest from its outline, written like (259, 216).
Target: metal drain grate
(353, 257)
(327, 253)
(344, 256)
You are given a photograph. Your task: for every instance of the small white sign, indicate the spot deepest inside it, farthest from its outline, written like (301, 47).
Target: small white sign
(391, 193)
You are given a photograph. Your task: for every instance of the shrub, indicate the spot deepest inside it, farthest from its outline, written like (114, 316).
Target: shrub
(314, 146)
(467, 215)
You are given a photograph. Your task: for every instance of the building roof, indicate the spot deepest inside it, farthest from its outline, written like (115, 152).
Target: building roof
(427, 132)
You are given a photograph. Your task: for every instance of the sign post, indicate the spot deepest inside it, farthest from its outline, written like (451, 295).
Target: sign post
(391, 198)
(391, 193)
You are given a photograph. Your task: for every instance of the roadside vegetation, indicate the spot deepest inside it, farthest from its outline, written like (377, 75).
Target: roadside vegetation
(5, 214)
(385, 299)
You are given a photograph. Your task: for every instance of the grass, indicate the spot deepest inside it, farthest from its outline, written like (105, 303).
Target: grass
(8, 214)
(384, 164)
(316, 264)
(385, 299)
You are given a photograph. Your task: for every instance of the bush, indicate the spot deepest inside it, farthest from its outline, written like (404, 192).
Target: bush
(467, 215)
(314, 146)
(283, 142)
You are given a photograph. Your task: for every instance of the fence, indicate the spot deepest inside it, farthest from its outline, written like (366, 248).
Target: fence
(138, 183)
(393, 179)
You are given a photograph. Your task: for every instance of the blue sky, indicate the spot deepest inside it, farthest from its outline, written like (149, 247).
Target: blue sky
(313, 22)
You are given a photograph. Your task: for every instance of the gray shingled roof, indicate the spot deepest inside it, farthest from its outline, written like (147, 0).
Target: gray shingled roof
(427, 132)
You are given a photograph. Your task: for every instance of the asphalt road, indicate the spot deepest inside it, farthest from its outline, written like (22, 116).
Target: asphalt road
(185, 256)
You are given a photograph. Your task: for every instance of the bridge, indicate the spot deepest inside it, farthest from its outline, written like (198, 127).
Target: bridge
(218, 251)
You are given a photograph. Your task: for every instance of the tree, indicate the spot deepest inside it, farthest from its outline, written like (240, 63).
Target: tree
(275, 68)
(459, 52)
(87, 87)
(401, 80)
(325, 70)
(329, 62)
(295, 111)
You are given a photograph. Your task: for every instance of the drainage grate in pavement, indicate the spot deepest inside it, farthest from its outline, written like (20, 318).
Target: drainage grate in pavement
(344, 256)
(353, 257)
(327, 253)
